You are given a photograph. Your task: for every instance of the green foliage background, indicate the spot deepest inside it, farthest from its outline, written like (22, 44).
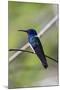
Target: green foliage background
(26, 70)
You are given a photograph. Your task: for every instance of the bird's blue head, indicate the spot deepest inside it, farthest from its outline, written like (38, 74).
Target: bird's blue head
(30, 32)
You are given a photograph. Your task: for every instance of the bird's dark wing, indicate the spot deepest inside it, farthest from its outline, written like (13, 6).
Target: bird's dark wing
(39, 51)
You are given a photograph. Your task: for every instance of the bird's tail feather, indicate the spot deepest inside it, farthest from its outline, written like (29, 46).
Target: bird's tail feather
(42, 57)
(43, 60)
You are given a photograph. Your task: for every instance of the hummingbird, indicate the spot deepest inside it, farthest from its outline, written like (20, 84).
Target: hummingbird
(36, 45)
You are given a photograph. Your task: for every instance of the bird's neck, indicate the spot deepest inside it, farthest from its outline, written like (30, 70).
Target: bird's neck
(32, 35)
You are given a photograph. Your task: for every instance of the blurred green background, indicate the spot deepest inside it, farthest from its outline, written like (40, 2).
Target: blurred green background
(26, 70)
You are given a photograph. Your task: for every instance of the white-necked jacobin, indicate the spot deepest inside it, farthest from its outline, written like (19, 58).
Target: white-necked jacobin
(35, 43)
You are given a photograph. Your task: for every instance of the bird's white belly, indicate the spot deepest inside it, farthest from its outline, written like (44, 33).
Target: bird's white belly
(31, 47)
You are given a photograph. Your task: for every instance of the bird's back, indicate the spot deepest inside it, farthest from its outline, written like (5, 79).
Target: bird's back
(37, 46)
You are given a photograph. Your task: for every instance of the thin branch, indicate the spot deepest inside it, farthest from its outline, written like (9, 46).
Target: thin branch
(33, 53)
(39, 35)
(51, 58)
(21, 50)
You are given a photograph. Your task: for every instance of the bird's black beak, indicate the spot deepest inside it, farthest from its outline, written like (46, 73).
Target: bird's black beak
(23, 31)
